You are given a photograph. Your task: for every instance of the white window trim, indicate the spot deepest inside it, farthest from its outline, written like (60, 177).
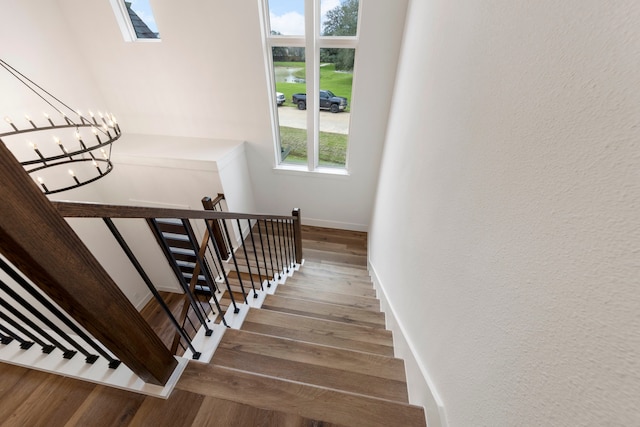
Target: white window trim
(312, 61)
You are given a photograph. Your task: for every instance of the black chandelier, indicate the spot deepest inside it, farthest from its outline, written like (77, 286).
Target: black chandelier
(79, 144)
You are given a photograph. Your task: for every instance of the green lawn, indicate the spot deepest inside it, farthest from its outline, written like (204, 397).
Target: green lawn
(337, 82)
(333, 146)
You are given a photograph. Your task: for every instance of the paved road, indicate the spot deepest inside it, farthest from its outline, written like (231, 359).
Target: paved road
(329, 122)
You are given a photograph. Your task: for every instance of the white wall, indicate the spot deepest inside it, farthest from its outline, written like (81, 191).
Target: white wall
(37, 45)
(207, 79)
(505, 231)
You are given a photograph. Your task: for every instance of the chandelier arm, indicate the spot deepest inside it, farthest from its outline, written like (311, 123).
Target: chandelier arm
(77, 126)
(18, 75)
(71, 154)
(109, 128)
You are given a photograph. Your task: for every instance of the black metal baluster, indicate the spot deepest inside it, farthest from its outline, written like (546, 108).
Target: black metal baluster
(281, 247)
(285, 229)
(292, 250)
(213, 287)
(283, 243)
(215, 264)
(264, 256)
(288, 242)
(185, 287)
(203, 267)
(222, 224)
(187, 318)
(91, 358)
(255, 254)
(5, 339)
(224, 273)
(46, 348)
(235, 262)
(277, 251)
(24, 344)
(293, 242)
(145, 278)
(273, 270)
(246, 256)
(60, 315)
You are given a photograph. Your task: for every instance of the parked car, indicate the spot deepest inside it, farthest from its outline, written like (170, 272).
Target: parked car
(280, 98)
(328, 101)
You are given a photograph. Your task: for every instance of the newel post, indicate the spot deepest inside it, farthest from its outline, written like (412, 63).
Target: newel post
(209, 205)
(40, 243)
(297, 233)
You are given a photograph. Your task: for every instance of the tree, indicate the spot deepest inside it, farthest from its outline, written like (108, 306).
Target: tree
(341, 21)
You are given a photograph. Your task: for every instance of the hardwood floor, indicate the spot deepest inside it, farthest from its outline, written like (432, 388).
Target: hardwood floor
(315, 354)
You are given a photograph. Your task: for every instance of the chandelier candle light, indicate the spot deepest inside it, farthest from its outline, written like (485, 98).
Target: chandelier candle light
(65, 155)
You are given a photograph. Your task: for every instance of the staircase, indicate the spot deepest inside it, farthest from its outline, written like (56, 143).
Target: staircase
(316, 352)
(316, 349)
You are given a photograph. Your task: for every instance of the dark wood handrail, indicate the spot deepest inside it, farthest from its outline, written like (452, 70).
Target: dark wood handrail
(97, 210)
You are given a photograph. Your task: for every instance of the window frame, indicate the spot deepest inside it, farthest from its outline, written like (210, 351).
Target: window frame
(125, 24)
(312, 41)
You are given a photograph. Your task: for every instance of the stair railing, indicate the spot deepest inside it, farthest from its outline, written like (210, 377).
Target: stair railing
(29, 317)
(263, 250)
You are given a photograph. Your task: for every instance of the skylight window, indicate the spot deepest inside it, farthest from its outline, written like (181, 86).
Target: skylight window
(135, 19)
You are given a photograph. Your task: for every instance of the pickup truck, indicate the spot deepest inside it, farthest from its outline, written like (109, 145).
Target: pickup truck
(328, 101)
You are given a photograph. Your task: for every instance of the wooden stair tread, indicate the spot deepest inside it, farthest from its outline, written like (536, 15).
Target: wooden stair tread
(312, 274)
(336, 286)
(364, 303)
(324, 275)
(348, 259)
(356, 270)
(334, 247)
(221, 412)
(385, 367)
(325, 332)
(355, 238)
(309, 401)
(335, 312)
(312, 374)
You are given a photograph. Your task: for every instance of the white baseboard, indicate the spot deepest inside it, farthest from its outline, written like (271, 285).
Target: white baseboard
(144, 301)
(334, 224)
(421, 389)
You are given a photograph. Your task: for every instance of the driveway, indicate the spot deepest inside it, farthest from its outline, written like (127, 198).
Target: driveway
(329, 122)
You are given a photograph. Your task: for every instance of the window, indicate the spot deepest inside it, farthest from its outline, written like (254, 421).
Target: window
(136, 20)
(312, 49)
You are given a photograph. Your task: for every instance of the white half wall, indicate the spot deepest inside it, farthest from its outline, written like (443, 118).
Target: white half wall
(505, 232)
(163, 172)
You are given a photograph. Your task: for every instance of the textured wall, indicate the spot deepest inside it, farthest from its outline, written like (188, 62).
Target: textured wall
(513, 153)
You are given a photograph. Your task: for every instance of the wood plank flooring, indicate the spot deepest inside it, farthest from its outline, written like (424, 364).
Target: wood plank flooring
(316, 354)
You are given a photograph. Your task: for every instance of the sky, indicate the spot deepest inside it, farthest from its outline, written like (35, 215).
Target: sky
(287, 16)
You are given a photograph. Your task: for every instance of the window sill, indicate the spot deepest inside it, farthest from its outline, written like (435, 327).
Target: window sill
(303, 171)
